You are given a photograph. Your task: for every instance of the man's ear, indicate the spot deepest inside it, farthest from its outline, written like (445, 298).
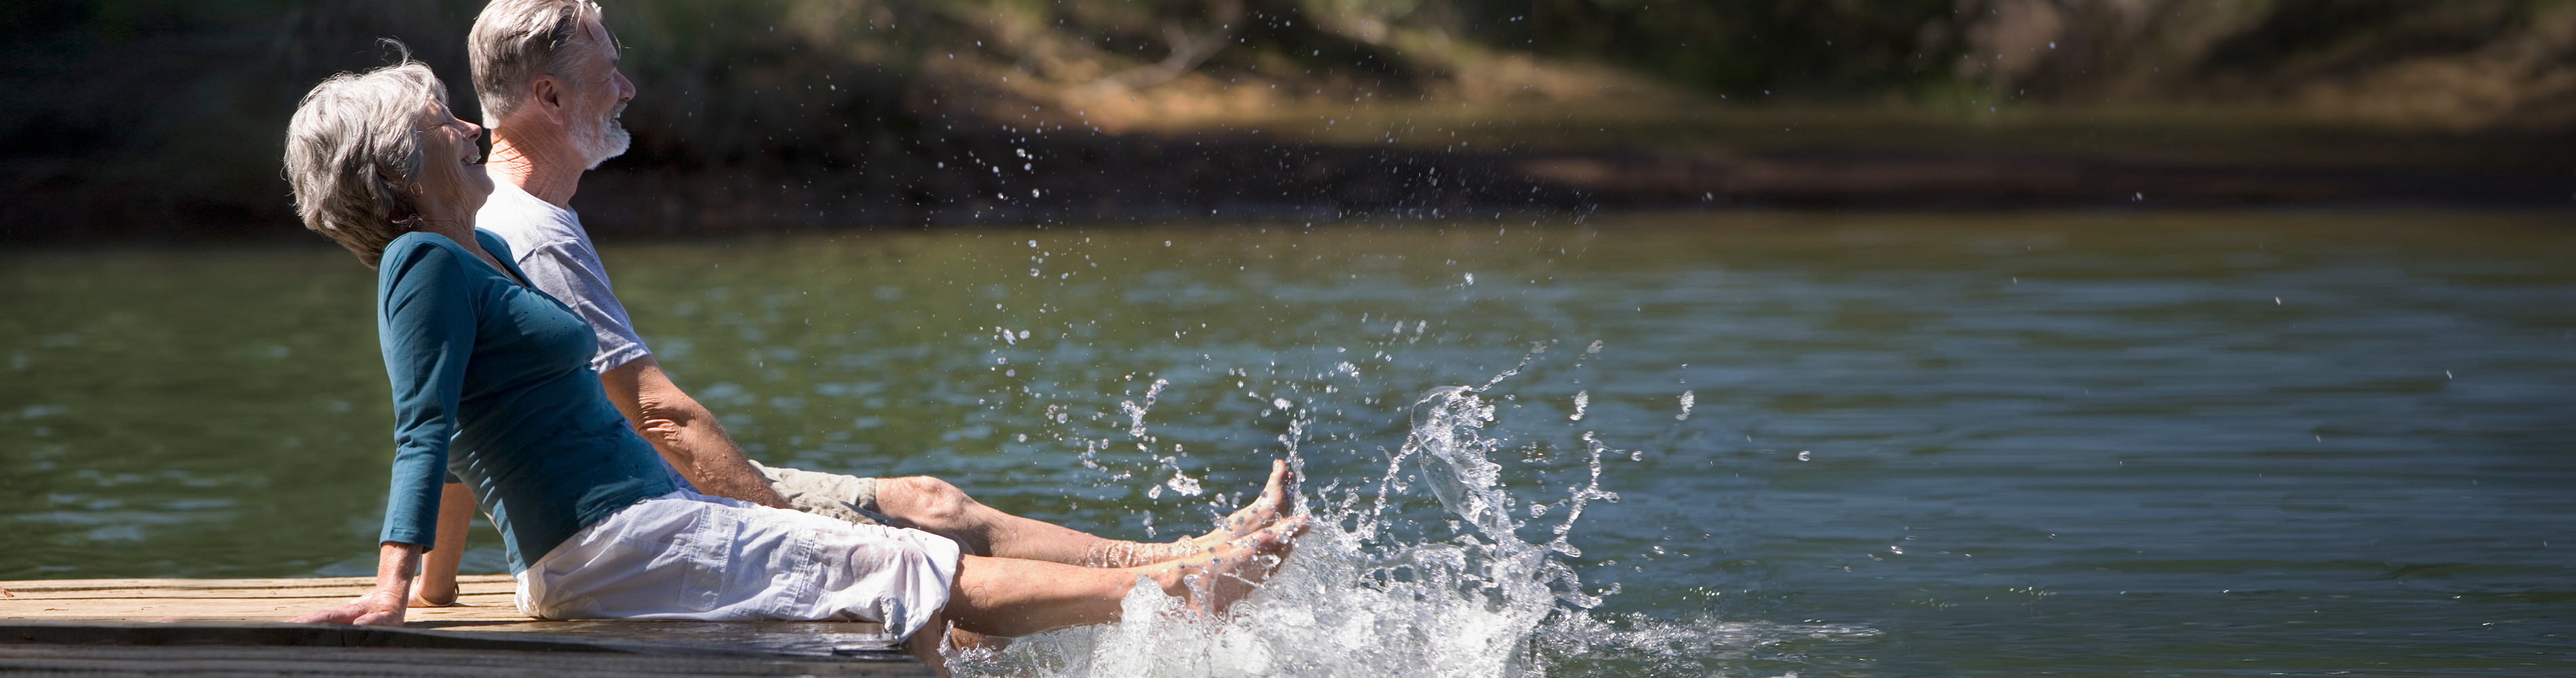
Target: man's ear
(548, 98)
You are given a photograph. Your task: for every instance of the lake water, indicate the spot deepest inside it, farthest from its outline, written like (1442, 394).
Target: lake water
(2101, 444)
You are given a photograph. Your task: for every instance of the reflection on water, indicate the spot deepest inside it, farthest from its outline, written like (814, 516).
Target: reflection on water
(1845, 445)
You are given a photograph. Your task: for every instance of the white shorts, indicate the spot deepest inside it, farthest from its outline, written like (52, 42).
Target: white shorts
(685, 555)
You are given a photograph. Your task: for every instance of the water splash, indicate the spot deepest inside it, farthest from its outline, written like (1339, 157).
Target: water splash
(1356, 599)
(1180, 482)
(1371, 592)
(1136, 413)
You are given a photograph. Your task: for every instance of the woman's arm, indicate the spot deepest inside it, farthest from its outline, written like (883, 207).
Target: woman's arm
(436, 586)
(426, 326)
(425, 323)
(383, 606)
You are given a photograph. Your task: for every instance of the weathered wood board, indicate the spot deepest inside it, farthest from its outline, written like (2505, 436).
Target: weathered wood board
(233, 626)
(484, 598)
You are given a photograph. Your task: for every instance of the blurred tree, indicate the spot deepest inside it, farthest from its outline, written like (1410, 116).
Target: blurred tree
(1830, 48)
(123, 117)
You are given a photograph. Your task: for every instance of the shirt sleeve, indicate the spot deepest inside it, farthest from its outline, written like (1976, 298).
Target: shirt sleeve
(573, 275)
(426, 327)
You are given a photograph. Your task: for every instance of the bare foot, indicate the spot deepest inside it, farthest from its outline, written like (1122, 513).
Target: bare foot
(1263, 512)
(1228, 573)
(1257, 515)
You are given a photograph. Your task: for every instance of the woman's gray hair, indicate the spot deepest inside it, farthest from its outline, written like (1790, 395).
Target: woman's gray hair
(353, 152)
(515, 40)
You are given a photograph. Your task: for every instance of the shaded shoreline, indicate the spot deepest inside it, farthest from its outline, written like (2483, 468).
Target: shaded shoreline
(797, 115)
(1242, 176)
(1004, 175)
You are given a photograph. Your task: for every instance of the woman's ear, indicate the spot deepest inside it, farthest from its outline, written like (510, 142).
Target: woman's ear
(395, 185)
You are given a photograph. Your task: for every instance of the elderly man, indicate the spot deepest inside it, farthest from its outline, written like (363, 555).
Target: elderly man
(546, 73)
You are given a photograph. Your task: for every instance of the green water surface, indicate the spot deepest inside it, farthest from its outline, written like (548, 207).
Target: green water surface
(2085, 444)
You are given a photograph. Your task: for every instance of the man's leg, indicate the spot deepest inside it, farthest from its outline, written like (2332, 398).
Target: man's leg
(934, 505)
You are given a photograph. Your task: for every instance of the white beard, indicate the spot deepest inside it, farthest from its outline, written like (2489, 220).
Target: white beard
(602, 141)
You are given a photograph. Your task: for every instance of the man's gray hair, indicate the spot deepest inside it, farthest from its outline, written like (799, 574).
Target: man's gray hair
(353, 154)
(514, 41)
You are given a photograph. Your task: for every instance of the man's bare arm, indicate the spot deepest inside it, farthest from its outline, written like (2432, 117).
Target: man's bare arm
(684, 432)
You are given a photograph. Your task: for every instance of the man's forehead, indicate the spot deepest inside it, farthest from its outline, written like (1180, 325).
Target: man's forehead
(597, 33)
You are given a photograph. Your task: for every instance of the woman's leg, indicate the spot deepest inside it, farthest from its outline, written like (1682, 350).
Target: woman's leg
(1014, 597)
(934, 505)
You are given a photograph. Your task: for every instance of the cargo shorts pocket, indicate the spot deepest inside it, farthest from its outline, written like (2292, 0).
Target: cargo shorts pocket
(703, 553)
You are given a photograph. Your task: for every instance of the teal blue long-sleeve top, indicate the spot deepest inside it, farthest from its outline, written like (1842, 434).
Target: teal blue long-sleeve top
(492, 386)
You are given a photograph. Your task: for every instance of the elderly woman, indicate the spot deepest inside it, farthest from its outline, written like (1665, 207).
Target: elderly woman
(492, 388)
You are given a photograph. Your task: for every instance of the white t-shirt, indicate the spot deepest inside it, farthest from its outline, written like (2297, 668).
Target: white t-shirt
(558, 258)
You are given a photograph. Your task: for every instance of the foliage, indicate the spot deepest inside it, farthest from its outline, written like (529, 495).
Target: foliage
(149, 114)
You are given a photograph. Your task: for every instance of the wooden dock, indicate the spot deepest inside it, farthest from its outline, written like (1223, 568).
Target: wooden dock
(226, 627)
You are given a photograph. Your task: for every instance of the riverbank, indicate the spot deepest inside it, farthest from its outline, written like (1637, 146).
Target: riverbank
(1433, 161)
(805, 114)
(1442, 162)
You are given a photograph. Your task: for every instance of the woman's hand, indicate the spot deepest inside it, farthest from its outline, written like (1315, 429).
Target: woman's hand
(436, 586)
(377, 608)
(423, 595)
(395, 562)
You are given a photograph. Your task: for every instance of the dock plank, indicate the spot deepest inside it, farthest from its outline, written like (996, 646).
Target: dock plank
(93, 660)
(233, 623)
(341, 587)
(483, 597)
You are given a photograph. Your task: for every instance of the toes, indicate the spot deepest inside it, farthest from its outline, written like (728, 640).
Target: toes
(1279, 477)
(1289, 529)
(1277, 536)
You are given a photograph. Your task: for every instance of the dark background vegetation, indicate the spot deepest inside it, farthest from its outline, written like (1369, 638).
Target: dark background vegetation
(157, 119)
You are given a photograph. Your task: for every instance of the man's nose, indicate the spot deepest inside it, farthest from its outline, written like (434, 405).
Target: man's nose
(625, 88)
